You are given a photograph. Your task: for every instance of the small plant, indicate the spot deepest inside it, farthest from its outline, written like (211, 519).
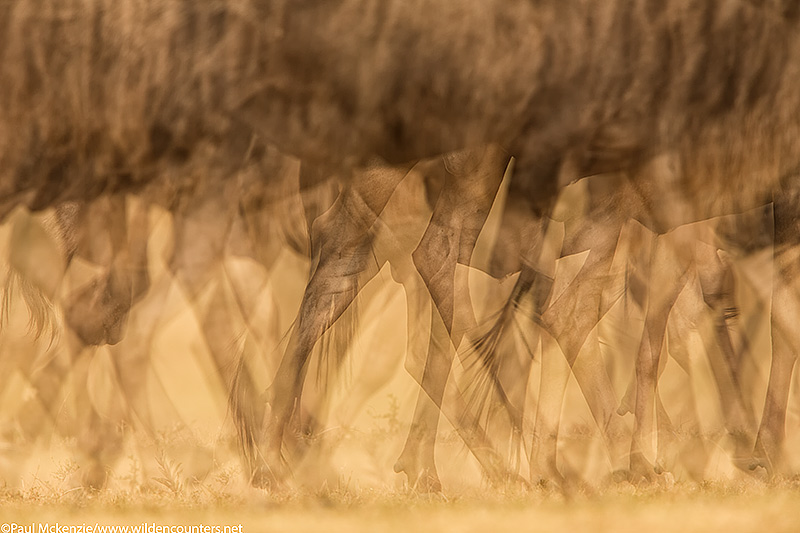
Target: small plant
(392, 416)
(227, 475)
(65, 470)
(170, 473)
(131, 478)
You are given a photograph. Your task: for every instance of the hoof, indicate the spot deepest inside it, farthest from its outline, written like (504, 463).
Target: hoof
(619, 476)
(641, 471)
(545, 474)
(264, 477)
(94, 477)
(420, 479)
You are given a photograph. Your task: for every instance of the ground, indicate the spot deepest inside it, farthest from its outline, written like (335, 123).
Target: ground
(684, 509)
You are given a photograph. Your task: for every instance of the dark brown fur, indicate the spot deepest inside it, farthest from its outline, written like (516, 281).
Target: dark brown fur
(100, 95)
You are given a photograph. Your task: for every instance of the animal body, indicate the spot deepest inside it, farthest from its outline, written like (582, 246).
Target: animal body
(146, 90)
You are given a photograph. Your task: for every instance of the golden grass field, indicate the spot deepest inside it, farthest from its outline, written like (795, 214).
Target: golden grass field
(684, 509)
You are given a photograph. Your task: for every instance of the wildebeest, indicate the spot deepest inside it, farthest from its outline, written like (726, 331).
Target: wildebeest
(143, 88)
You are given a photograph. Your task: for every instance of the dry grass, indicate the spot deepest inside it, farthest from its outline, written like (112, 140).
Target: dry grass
(684, 508)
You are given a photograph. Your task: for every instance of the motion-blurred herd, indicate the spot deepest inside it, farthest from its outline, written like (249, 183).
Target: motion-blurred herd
(657, 141)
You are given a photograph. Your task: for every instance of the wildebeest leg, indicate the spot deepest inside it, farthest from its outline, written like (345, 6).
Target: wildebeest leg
(555, 373)
(471, 182)
(527, 303)
(769, 445)
(718, 287)
(290, 221)
(504, 348)
(571, 318)
(318, 192)
(769, 448)
(402, 224)
(399, 230)
(416, 460)
(678, 326)
(340, 244)
(509, 365)
(417, 457)
(522, 234)
(682, 321)
(667, 278)
(276, 208)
